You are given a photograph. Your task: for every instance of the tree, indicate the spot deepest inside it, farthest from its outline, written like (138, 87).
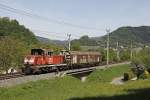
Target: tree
(76, 47)
(11, 53)
(9, 27)
(85, 41)
(103, 54)
(112, 55)
(143, 57)
(124, 55)
(141, 63)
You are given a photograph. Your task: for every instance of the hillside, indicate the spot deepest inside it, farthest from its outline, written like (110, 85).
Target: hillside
(124, 35)
(138, 35)
(49, 41)
(13, 28)
(85, 41)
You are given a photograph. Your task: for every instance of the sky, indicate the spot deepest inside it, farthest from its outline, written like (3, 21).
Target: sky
(78, 17)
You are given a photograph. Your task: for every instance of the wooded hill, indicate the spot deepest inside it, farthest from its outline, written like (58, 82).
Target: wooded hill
(13, 28)
(139, 36)
(50, 41)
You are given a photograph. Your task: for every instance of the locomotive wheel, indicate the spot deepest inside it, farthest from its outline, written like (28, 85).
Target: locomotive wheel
(38, 71)
(28, 71)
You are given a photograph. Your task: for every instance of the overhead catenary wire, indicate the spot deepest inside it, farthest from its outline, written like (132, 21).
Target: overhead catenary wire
(49, 34)
(31, 15)
(46, 32)
(56, 33)
(28, 14)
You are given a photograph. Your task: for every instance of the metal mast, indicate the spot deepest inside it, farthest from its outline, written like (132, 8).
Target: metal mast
(108, 31)
(69, 42)
(131, 51)
(117, 48)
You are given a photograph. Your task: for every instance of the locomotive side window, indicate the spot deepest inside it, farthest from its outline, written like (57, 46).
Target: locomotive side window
(37, 52)
(50, 53)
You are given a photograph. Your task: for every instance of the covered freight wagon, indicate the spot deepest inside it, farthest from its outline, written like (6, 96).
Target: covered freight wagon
(85, 57)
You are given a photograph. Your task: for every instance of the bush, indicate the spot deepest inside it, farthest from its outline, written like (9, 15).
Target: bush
(140, 63)
(137, 68)
(128, 76)
(124, 55)
(145, 75)
(143, 57)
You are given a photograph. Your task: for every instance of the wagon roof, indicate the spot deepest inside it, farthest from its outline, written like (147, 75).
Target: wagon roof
(85, 52)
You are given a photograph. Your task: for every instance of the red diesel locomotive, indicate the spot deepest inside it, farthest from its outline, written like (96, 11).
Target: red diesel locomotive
(43, 60)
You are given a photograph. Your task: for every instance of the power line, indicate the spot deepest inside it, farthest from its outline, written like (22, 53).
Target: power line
(22, 12)
(48, 33)
(17, 11)
(43, 31)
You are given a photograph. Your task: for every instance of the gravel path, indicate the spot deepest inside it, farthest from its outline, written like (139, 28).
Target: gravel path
(117, 81)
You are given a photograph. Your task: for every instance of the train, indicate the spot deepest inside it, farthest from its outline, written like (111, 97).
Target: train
(44, 60)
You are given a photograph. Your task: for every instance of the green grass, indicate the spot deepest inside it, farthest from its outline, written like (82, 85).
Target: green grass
(96, 87)
(109, 74)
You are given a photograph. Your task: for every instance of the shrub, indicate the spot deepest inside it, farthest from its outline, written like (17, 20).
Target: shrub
(144, 75)
(128, 76)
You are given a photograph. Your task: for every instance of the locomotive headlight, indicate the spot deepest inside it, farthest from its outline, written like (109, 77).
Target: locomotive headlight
(30, 61)
(26, 60)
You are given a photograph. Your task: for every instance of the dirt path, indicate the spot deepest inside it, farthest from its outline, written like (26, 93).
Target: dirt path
(117, 81)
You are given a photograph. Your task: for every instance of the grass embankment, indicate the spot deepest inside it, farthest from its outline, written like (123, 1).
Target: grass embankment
(96, 87)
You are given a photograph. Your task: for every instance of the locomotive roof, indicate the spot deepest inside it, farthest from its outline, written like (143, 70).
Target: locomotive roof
(85, 52)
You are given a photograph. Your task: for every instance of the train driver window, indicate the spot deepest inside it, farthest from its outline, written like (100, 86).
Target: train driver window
(37, 52)
(50, 53)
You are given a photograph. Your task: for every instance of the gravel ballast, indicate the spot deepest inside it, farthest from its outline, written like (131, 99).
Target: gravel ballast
(25, 79)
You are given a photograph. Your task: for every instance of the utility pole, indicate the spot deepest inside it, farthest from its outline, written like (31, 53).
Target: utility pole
(117, 48)
(69, 42)
(108, 31)
(131, 52)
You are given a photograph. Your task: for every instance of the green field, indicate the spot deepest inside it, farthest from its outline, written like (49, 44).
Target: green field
(97, 87)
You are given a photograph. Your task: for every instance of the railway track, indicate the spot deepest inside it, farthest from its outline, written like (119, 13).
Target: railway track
(11, 75)
(69, 72)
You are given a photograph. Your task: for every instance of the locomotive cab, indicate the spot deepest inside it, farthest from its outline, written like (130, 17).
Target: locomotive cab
(37, 57)
(42, 59)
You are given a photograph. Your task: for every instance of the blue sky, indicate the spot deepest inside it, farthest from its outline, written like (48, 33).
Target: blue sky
(95, 14)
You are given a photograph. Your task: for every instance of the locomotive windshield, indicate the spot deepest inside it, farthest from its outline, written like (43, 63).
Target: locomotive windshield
(37, 52)
(41, 52)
